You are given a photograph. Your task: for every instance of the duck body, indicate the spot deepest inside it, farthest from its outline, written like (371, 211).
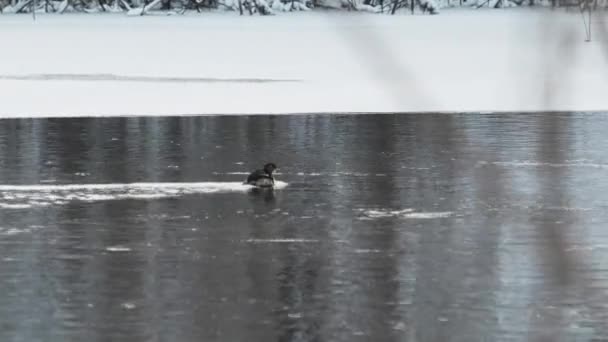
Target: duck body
(262, 178)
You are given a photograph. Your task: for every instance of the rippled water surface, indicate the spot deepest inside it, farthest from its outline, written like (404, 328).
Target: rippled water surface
(383, 228)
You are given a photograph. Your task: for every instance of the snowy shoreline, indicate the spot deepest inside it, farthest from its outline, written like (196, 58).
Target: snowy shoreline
(507, 60)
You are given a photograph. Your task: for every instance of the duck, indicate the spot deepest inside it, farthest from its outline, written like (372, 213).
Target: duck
(262, 178)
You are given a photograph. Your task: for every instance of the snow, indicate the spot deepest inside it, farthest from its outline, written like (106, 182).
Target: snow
(281, 241)
(300, 62)
(37, 195)
(118, 249)
(194, 187)
(404, 213)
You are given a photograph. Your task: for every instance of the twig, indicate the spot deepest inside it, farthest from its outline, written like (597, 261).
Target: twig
(584, 4)
(124, 3)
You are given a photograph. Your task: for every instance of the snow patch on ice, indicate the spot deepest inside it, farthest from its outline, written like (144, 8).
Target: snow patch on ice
(314, 174)
(15, 206)
(232, 173)
(8, 231)
(586, 247)
(367, 251)
(429, 215)
(281, 241)
(407, 213)
(128, 306)
(529, 163)
(386, 213)
(11, 231)
(28, 196)
(118, 249)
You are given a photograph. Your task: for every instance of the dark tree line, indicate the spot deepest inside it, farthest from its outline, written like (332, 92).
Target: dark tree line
(265, 7)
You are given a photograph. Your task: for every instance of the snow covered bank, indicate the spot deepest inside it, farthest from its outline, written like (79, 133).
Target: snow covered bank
(463, 60)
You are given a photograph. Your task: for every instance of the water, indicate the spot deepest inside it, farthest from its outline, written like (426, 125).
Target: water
(386, 228)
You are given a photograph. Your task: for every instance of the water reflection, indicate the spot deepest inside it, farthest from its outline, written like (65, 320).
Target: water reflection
(392, 228)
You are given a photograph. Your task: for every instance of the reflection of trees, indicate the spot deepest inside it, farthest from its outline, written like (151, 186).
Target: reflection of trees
(363, 286)
(290, 280)
(562, 285)
(564, 47)
(89, 285)
(21, 150)
(455, 259)
(552, 149)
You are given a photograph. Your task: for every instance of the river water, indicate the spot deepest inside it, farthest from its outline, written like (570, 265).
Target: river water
(384, 228)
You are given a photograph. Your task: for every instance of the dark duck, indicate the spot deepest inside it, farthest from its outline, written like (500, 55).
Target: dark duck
(262, 178)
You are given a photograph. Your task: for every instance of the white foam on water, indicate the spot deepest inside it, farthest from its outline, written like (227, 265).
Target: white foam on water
(28, 196)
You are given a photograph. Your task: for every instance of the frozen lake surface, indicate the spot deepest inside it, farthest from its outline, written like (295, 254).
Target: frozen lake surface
(386, 228)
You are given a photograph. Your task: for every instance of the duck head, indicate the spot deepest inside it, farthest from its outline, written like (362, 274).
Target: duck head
(269, 168)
